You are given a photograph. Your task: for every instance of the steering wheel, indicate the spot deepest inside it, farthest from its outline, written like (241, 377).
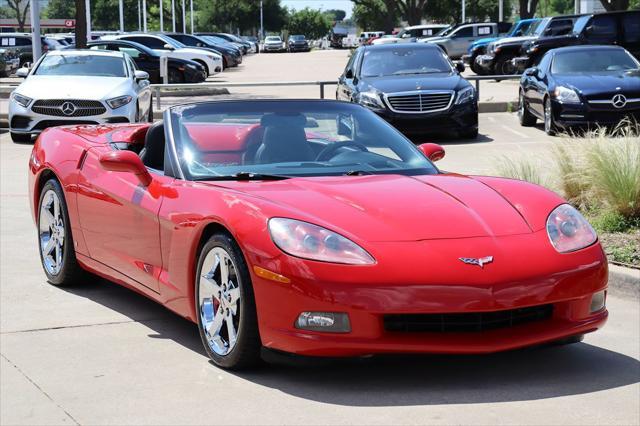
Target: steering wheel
(328, 152)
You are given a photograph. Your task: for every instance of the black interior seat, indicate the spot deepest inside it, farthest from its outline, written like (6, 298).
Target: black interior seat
(153, 153)
(284, 140)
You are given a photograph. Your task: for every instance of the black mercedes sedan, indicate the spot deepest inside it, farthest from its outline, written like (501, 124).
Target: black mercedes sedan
(180, 70)
(581, 86)
(414, 86)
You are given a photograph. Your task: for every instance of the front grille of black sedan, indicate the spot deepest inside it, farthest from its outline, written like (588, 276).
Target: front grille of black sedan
(68, 107)
(466, 322)
(419, 102)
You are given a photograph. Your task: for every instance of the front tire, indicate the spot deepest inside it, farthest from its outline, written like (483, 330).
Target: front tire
(21, 137)
(549, 123)
(225, 305)
(524, 115)
(55, 242)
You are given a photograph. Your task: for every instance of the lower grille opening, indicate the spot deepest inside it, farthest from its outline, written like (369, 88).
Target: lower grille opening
(465, 322)
(20, 122)
(45, 124)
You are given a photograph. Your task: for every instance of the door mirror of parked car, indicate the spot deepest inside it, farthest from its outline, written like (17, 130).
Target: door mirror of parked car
(22, 72)
(432, 151)
(348, 74)
(128, 162)
(141, 75)
(167, 47)
(531, 72)
(460, 67)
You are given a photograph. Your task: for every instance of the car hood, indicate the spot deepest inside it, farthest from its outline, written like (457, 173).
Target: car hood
(436, 81)
(273, 42)
(602, 83)
(73, 87)
(483, 41)
(514, 40)
(393, 207)
(434, 39)
(196, 51)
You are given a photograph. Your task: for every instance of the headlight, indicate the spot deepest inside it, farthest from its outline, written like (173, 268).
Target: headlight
(532, 49)
(308, 241)
(116, 103)
(568, 230)
(465, 95)
(192, 66)
(21, 100)
(566, 95)
(370, 99)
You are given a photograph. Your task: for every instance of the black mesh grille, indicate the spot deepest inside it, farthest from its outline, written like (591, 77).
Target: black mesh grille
(44, 124)
(419, 102)
(20, 122)
(468, 322)
(61, 107)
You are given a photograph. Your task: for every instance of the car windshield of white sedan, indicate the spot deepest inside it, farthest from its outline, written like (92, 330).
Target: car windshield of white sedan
(403, 61)
(279, 139)
(82, 65)
(272, 39)
(593, 61)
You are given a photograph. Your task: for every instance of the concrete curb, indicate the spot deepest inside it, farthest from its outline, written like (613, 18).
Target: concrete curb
(624, 282)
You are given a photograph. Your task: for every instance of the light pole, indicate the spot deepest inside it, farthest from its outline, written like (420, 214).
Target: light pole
(121, 13)
(139, 17)
(464, 11)
(191, 15)
(35, 30)
(173, 15)
(184, 19)
(88, 8)
(161, 19)
(261, 22)
(500, 10)
(144, 15)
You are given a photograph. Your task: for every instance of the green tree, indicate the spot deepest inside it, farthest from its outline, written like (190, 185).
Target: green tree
(376, 14)
(20, 11)
(60, 9)
(241, 15)
(310, 22)
(336, 14)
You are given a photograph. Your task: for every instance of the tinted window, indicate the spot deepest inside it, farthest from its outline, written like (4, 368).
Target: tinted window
(151, 42)
(559, 27)
(592, 61)
(291, 138)
(82, 65)
(464, 32)
(631, 25)
(23, 41)
(378, 63)
(602, 30)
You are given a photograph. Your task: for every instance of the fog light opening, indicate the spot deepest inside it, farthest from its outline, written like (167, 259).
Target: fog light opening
(598, 301)
(329, 322)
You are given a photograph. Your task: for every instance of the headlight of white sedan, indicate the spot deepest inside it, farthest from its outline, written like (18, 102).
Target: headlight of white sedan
(118, 102)
(465, 95)
(308, 241)
(566, 95)
(21, 100)
(568, 230)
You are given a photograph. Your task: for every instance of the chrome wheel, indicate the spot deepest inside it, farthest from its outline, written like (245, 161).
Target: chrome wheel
(547, 118)
(521, 105)
(219, 300)
(51, 232)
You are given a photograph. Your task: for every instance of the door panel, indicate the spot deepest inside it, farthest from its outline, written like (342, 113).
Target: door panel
(119, 219)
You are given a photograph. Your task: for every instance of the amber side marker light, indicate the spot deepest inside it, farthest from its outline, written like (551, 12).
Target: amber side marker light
(267, 274)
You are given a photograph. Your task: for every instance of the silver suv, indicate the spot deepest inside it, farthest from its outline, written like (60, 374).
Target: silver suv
(456, 40)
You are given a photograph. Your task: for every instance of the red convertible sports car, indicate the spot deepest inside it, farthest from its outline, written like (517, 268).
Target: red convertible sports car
(314, 228)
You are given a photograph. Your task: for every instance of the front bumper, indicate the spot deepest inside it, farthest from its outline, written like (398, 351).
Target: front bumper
(299, 47)
(273, 48)
(486, 62)
(568, 116)
(26, 121)
(458, 118)
(443, 285)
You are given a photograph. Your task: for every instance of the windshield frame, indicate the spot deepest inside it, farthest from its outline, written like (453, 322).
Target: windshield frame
(175, 166)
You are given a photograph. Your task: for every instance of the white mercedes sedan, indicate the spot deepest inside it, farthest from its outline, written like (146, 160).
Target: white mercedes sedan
(79, 87)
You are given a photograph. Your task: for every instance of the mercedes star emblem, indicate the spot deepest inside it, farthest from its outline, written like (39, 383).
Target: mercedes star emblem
(68, 108)
(619, 101)
(477, 261)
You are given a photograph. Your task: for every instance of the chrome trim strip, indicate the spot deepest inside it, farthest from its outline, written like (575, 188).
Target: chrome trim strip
(452, 93)
(166, 116)
(610, 101)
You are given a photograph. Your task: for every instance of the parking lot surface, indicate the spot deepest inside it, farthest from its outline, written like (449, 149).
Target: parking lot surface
(101, 354)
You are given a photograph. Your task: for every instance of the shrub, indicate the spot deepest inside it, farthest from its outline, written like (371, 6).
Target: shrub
(521, 169)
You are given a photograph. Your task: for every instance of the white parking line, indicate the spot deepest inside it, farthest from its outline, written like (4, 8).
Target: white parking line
(515, 132)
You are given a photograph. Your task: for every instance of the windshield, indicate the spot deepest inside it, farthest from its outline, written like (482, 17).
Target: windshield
(221, 140)
(297, 37)
(82, 65)
(272, 39)
(173, 42)
(403, 61)
(541, 26)
(447, 31)
(532, 28)
(592, 61)
(215, 40)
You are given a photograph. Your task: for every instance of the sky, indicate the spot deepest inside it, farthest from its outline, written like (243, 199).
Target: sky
(345, 5)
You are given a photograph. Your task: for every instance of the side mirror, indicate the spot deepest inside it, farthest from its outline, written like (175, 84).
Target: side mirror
(432, 151)
(460, 67)
(349, 74)
(531, 72)
(167, 47)
(141, 75)
(142, 56)
(22, 72)
(128, 162)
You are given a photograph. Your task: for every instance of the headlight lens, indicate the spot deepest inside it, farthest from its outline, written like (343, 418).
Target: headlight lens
(566, 95)
(370, 99)
(465, 95)
(568, 230)
(116, 103)
(21, 100)
(308, 241)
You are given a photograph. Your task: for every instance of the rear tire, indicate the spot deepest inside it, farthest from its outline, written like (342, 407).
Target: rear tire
(225, 305)
(55, 241)
(21, 137)
(175, 77)
(524, 115)
(504, 66)
(470, 134)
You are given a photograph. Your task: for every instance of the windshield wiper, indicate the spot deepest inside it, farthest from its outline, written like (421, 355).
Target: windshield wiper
(357, 173)
(249, 176)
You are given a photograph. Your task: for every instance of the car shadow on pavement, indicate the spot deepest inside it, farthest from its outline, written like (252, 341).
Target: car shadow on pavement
(520, 375)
